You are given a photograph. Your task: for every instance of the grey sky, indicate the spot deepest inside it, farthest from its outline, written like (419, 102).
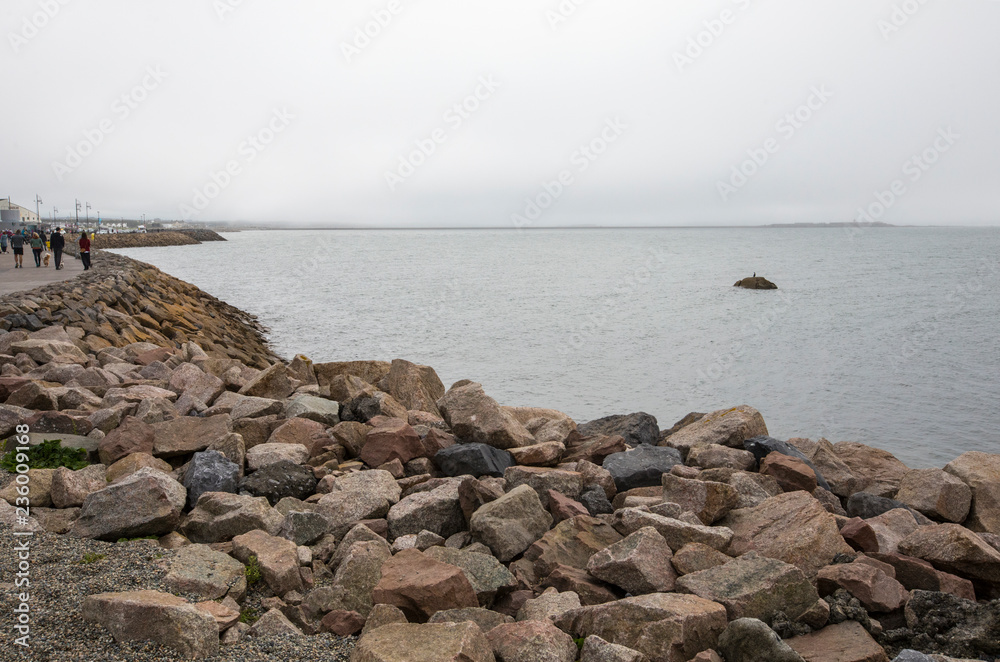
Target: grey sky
(343, 117)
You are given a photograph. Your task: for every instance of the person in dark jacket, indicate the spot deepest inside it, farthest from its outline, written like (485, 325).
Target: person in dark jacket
(17, 244)
(57, 241)
(85, 250)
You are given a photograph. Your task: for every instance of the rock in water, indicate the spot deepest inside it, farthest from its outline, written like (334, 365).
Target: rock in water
(756, 283)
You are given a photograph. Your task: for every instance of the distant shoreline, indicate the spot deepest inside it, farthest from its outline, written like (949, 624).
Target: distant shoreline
(780, 226)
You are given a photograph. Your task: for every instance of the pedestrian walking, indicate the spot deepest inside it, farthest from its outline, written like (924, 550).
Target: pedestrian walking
(45, 240)
(17, 245)
(3, 242)
(85, 251)
(36, 248)
(58, 243)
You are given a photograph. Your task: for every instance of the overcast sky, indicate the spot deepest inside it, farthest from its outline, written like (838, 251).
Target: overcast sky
(641, 108)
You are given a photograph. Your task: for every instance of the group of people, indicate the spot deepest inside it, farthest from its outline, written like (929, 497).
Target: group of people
(39, 243)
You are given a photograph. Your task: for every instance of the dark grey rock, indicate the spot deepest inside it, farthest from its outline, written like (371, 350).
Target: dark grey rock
(641, 467)
(638, 428)
(360, 409)
(865, 505)
(750, 640)
(473, 460)
(945, 624)
(846, 607)
(279, 480)
(210, 471)
(761, 446)
(303, 528)
(595, 500)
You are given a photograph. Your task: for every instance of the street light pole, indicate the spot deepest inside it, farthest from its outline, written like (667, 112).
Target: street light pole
(78, 212)
(38, 214)
(88, 213)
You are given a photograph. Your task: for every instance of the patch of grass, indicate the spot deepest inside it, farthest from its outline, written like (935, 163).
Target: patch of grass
(47, 455)
(90, 557)
(249, 616)
(140, 538)
(579, 642)
(252, 571)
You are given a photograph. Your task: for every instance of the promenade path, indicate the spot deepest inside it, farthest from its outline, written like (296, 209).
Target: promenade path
(20, 280)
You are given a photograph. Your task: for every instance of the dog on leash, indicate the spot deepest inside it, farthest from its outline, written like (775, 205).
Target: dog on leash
(45, 260)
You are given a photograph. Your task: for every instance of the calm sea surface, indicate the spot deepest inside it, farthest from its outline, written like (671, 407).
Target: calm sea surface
(890, 337)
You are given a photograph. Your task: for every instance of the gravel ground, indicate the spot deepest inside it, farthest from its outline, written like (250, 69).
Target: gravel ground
(60, 582)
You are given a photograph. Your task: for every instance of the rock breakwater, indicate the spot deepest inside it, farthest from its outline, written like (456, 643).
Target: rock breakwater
(365, 498)
(122, 301)
(145, 239)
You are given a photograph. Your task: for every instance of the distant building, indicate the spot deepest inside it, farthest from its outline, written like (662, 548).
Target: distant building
(16, 214)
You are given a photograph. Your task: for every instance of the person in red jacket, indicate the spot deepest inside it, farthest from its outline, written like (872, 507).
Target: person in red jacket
(85, 250)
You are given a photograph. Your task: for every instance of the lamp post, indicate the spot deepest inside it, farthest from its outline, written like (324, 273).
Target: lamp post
(88, 213)
(54, 212)
(38, 214)
(78, 212)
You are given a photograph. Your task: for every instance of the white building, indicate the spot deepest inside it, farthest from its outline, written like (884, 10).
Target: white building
(11, 213)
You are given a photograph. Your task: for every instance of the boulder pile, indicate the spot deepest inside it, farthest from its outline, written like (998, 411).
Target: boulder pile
(121, 301)
(440, 525)
(144, 239)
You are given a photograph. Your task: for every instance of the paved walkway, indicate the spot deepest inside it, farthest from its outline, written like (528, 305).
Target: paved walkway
(19, 280)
